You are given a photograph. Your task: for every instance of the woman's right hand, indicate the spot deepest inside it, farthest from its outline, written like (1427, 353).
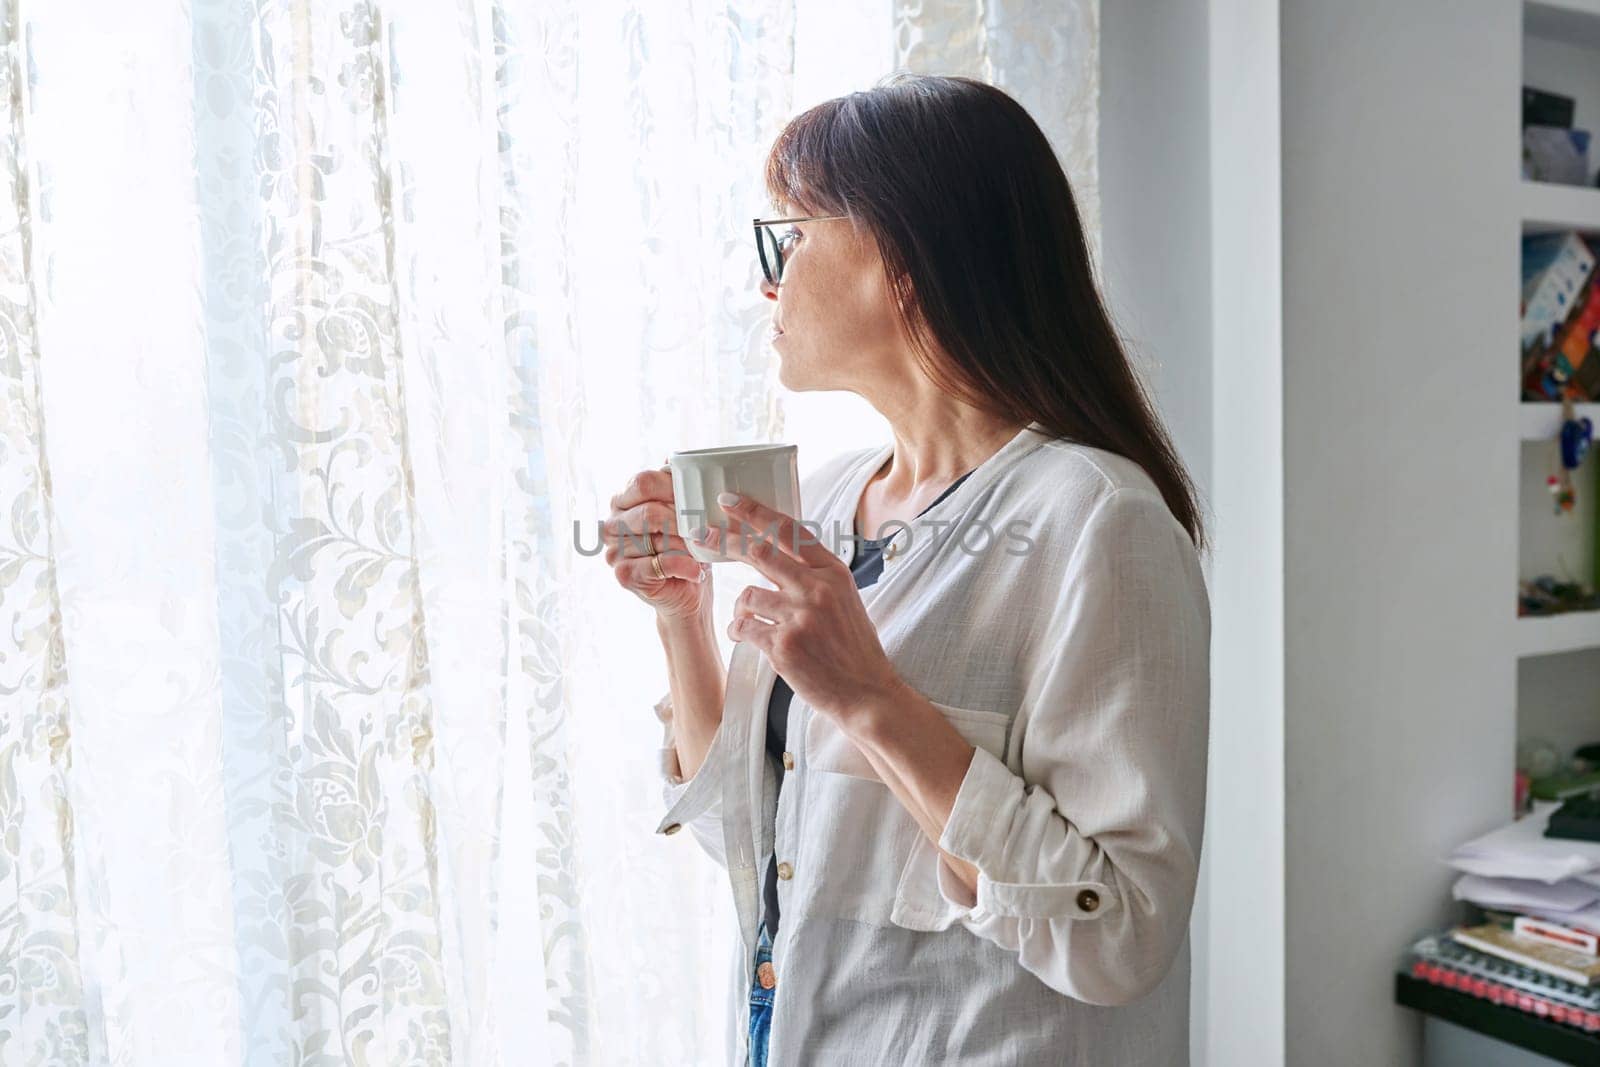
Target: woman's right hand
(646, 504)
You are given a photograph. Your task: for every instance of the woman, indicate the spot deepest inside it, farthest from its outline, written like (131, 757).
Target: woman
(959, 792)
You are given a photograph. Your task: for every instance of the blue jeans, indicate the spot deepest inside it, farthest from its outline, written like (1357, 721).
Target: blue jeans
(760, 1004)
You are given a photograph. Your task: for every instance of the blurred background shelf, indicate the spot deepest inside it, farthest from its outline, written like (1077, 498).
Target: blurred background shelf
(1560, 1043)
(1548, 207)
(1568, 21)
(1550, 635)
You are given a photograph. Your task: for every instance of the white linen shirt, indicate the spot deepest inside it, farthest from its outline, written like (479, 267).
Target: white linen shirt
(1079, 670)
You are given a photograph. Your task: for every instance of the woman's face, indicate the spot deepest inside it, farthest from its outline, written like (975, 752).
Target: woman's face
(836, 311)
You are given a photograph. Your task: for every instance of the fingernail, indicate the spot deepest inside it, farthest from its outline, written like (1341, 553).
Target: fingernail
(700, 533)
(728, 500)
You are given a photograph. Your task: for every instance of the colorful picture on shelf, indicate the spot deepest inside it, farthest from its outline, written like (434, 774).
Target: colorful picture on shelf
(1560, 318)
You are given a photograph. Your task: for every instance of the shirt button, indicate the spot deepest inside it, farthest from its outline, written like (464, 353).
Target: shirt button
(671, 828)
(1088, 900)
(891, 550)
(788, 761)
(785, 871)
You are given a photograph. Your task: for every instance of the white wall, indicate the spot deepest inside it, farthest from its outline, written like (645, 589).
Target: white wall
(1245, 1024)
(1189, 180)
(1155, 210)
(1350, 406)
(1557, 701)
(1400, 245)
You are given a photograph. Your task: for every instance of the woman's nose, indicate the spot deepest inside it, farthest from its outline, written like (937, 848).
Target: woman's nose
(768, 290)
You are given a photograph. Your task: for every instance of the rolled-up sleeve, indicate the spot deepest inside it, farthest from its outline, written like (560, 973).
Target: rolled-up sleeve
(695, 803)
(1087, 859)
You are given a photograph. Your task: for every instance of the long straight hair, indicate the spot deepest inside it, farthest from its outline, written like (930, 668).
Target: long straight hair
(985, 254)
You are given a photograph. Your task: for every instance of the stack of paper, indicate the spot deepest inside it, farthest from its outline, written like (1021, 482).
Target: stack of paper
(1516, 868)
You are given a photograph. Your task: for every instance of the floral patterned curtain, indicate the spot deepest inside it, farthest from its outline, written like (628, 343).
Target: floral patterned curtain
(322, 322)
(311, 330)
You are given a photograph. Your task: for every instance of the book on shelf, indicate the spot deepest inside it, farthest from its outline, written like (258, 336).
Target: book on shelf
(1569, 964)
(1555, 267)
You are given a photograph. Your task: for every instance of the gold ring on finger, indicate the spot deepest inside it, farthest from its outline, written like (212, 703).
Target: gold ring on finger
(655, 565)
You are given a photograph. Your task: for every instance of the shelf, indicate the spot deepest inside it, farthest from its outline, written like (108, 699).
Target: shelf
(1541, 422)
(1549, 635)
(1568, 21)
(1549, 208)
(1566, 1044)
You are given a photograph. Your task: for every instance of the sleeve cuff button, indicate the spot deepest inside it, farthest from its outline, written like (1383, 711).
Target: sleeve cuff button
(1088, 900)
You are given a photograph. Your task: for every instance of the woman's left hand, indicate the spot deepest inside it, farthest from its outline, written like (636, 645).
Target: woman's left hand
(820, 638)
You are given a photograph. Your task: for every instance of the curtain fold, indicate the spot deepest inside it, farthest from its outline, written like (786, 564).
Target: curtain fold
(42, 991)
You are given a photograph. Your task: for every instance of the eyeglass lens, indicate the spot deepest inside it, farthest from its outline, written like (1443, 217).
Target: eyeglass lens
(771, 254)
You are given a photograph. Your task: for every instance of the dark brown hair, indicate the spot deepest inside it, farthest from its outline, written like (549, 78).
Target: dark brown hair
(980, 237)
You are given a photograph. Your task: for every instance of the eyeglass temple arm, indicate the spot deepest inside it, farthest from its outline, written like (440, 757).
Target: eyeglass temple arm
(803, 218)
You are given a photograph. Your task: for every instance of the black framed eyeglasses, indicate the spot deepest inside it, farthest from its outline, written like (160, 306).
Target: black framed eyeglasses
(773, 247)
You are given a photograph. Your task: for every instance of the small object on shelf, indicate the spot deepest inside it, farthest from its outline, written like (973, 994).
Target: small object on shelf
(1496, 939)
(1561, 786)
(1579, 818)
(1555, 268)
(1538, 758)
(1576, 436)
(1560, 935)
(1554, 154)
(1572, 446)
(1546, 595)
(1561, 490)
(1519, 850)
(1541, 108)
(1568, 366)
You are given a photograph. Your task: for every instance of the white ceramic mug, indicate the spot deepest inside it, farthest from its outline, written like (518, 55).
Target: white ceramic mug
(767, 474)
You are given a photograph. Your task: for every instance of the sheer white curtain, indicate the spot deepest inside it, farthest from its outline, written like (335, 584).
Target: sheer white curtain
(321, 324)
(316, 319)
